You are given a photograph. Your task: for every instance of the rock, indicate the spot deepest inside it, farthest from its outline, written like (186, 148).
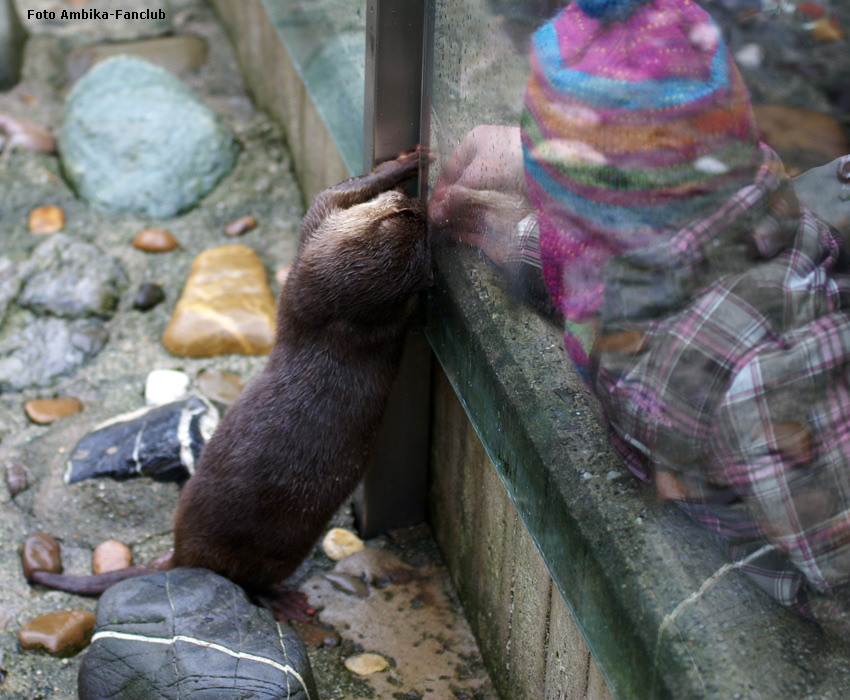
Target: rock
(148, 296)
(10, 284)
(340, 543)
(177, 54)
(282, 273)
(46, 220)
(23, 134)
(110, 555)
(161, 442)
(750, 55)
(316, 634)
(165, 386)
(13, 36)
(191, 633)
(241, 225)
(135, 139)
(61, 633)
(44, 411)
(34, 352)
(803, 139)
(346, 583)
(91, 338)
(226, 307)
(220, 386)
(155, 240)
(70, 278)
(366, 664)
(827, 29)
(40, 552)
(17, 478)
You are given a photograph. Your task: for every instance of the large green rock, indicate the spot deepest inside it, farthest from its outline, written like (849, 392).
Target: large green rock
(135, 139)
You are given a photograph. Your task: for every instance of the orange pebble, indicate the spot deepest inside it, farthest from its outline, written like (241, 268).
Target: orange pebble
(155, 240)
(110, 555)
(241, 225)
(47, 219)
(44, 411)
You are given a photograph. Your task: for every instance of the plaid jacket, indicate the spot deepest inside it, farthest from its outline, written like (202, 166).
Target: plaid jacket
(723, 359)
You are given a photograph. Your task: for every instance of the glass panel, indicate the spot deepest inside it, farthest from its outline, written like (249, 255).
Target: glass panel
(326, 40)
(641, 173)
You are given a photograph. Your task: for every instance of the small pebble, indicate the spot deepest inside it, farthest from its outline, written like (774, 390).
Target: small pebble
(220, 386)
(282, 273)
(46, 220)
(40, 552)
(90, 340)
(366, 664)
(44, 411)
(155, 240)
(347, 583)
(17, 478)
(165, 385)
(339, 543)
(62, 633)
(110, 555)
(750, 56)
(241, 225)
(148, 296)
(315, 634)
(827, 30)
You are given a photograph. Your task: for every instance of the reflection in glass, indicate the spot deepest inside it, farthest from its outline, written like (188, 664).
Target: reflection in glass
(625, 189)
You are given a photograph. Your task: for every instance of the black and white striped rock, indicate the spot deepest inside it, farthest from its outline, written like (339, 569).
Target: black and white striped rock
(188, 633)
(161, 442)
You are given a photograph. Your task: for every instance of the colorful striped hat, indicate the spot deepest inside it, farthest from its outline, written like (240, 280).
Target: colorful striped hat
(636, 121)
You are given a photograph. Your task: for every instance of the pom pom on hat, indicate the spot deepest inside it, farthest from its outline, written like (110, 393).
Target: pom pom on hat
(609, 10)
(630, 130)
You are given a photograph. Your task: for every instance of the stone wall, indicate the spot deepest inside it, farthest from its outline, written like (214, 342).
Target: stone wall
(531, 644)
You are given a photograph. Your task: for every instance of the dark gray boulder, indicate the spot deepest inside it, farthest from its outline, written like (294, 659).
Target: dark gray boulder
(135, 139)
(189, 633)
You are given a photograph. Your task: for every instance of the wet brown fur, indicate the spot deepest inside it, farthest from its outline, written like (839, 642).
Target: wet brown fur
(300, 436)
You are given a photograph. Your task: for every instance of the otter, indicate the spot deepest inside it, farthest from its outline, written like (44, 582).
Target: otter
(295, 443)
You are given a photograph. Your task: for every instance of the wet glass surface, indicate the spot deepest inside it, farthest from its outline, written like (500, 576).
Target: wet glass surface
(642, 184)
(326, 39)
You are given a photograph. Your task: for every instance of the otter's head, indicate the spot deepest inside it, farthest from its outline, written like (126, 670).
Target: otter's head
(364, 263)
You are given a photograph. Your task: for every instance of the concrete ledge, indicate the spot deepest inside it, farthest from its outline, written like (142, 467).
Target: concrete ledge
(532, 646)
(275, 82)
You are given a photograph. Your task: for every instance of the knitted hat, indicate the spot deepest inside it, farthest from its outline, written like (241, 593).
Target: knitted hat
(636, 121)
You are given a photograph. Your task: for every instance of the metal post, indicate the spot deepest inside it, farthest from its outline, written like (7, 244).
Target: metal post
(393, 493)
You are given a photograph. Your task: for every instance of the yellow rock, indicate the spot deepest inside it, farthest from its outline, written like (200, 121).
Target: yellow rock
(61, 633)
(340, 543)
(366, 664)
(226, 307)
